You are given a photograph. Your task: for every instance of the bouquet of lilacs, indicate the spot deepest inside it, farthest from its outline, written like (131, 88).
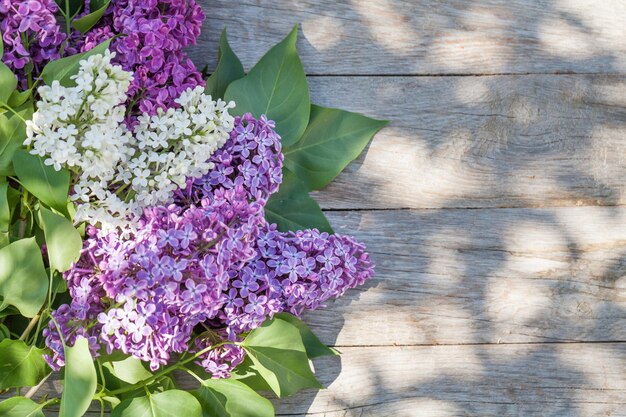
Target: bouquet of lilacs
(156, 222)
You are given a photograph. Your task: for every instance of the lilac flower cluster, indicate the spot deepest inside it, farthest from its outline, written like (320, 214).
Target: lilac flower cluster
(251, 158)
(156, 33)
(30, 34)
(210, 260)
(146, 295)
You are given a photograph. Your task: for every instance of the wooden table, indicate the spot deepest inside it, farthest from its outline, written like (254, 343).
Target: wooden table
(493, 204)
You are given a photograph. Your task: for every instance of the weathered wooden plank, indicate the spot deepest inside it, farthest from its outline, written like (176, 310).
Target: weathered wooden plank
(502, 141)
(484, 276)
(426, 37)
(494, 380)
(488, 380)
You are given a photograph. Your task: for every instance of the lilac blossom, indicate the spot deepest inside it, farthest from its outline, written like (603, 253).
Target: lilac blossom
(211, 261)
(31, 36)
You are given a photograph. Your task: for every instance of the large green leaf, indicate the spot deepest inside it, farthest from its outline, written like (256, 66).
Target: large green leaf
(331, 141)
(62, 239)
(21, 365)
(80, 379)
(314, 347)
(12, 135)
(276, 86)
(62, 69)
(43, 181)
(292, 208)
(20, 407)
(23, 278)
(279, 356)
(8, 83)
(97, 7)
(229, 69)
(230, 398)
(173, 403)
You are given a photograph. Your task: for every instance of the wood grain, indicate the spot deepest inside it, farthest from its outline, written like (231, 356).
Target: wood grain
(483, 380)
(483, 276)
(502, 141)
(425, 37)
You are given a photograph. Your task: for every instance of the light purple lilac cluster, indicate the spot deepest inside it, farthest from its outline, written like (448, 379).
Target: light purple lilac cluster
(155, 32)
(209, 265)
(31, 36)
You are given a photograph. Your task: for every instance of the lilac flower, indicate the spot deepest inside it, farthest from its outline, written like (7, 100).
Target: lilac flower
(31, 36)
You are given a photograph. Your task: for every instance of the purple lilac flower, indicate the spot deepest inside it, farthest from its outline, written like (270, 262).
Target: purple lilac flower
(31, 36)
(209, 259)
(251, 158)
(156, 32)
(148, 305)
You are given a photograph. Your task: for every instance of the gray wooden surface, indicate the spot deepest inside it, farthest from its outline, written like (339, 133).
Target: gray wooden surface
(494, 204)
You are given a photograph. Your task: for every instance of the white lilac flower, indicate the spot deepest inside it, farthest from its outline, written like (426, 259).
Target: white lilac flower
(120, 171)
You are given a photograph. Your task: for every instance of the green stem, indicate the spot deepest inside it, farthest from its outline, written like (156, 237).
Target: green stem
(166, 371)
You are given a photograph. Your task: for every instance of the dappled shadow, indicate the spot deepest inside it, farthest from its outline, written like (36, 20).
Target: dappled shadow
(495, 293)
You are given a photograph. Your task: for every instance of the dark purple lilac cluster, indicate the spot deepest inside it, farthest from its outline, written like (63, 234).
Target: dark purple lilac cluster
(31, 36)
(209, 264)
(251, 158)
(155, 32)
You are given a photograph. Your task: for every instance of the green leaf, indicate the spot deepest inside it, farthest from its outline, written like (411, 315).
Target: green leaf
(21, 365)
(5, 333)
(1, 46)
(247, 373)
(279, 356)
(62, 69)
(5, 210)
(8, 83)
(173, 403)
(129, 370)
(332, 140)
(229, 69)
(87, 22)
(74, 6)
(314, 348)
(63, 241)
(20, 407)
(291, 208)
(43, 181)
(276, 87)
(230, 398)
(23, 278)
(19, 97)
(12, 135)
(80, 379)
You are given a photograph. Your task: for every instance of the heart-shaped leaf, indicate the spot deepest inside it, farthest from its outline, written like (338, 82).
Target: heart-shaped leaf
(63, 69)
(20, 407)
(23, 278)
(129, 370)
(331, 141)
(279, 356)
(229, 69)
(230, 398)
(21, 365)
(292, 208)
(276, 87)
(62, 239)
(173, 403)
(80, 379)
(314, 347)
(43, 181)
